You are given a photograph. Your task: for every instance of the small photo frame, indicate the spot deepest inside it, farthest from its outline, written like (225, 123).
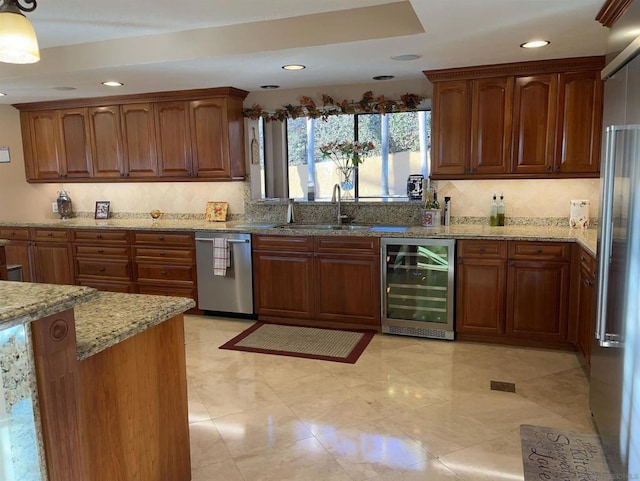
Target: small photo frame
(216, 211)
(102, 209)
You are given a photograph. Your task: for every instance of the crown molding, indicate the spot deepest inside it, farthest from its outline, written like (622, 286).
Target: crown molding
(563, 65)
(611, 11)
(194, 94)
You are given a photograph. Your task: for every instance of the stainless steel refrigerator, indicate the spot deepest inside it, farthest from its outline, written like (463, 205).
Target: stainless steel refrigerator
(615, 357)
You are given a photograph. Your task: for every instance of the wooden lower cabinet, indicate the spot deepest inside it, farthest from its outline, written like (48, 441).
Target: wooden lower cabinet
(513, 292)
(283, 284)
(585, 307)
(319, 281)
(347, 288)
(19, 249)
(537, 300)
(52, 256)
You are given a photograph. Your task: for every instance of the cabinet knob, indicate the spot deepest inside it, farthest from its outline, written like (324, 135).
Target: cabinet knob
(557, 168)
(121, 174)
(100, 251)
(482, 249)
(99, 236)
(102, 269)
(549, 168)
(164, 273)
(49, 234)
(161, 238)
(512, 264)
(539, 251)
(162, 254)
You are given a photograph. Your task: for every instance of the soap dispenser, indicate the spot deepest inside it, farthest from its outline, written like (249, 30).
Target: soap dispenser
(290, 214)
(493, 218)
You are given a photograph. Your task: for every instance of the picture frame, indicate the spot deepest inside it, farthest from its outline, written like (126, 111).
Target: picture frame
(102, 209)
(216, 211)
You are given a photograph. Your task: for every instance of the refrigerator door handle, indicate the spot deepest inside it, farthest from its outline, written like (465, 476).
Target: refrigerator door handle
(604, 251)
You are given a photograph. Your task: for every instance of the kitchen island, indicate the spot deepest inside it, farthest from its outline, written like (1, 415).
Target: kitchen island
(93, 385)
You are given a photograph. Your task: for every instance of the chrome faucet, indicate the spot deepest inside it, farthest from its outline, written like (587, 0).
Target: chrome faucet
(336, 187)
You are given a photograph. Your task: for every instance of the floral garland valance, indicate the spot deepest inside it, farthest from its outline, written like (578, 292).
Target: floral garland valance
(309, 108)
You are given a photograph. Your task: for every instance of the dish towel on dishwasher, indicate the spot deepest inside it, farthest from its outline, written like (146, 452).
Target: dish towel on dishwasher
(221, 257)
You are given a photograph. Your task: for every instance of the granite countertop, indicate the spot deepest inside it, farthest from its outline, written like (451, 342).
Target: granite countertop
(112, 317)
(586, 238)
(23, 302)
(4, 242)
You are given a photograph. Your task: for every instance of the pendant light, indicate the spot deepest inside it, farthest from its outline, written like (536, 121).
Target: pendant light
(18, 42)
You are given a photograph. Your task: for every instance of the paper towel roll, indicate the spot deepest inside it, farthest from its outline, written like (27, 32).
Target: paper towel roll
(579, 216)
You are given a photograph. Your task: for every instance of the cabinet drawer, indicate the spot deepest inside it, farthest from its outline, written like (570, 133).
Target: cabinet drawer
(349, 245)
(548, 251)
(100, 236)
(170, 273)
(50, 235)
(587, 261)
(280, 243)
(163, 238)
(181, 255)
(168, 291)
(109, 285)
(101, 251)
(14, 233)
(90, 267)
(485, 249)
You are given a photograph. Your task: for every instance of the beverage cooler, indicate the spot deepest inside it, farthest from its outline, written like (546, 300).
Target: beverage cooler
(418, 284)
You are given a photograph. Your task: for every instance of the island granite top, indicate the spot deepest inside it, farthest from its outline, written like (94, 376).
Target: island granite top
(113, 317)
(23, 302)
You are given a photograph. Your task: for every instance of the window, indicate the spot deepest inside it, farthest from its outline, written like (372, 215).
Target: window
(401, 148)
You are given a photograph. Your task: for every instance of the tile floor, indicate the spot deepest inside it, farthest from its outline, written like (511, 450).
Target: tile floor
(409, 409)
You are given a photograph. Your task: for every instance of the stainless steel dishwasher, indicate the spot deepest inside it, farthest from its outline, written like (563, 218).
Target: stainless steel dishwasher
(232, 292)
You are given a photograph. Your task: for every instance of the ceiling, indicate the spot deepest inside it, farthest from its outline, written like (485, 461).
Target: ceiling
(157, 45)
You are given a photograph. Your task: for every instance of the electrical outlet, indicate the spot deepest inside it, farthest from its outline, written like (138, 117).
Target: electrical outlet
(54, 207)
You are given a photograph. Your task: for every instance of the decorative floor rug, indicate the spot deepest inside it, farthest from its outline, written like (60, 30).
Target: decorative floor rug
(553, 455)
(308, 342)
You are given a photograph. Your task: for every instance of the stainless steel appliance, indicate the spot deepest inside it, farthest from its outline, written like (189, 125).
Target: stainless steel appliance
(417, 293)
(233, 291)
(615, 356)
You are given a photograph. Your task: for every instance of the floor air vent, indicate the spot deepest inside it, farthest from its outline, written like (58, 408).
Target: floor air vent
(418, 332)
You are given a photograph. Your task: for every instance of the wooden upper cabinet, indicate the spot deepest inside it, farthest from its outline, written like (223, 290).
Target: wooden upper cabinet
(173, 136)
(534, 124)
(491, 114)
(209, 140)
(106, 145)
(579, 122)
(163, 136)
(520, 120)
(75, 145)
(450, 126)
(42, 156)
(139, 140)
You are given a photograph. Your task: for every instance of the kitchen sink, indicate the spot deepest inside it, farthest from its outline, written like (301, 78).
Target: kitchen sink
(350, 227)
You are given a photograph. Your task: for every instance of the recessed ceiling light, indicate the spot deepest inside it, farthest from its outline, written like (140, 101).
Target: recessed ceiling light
(63, 88)
(535, 44)
(269, 87)
(383, 77)
(402, 58)
(2, 94)
(113, 83)
(294, 67)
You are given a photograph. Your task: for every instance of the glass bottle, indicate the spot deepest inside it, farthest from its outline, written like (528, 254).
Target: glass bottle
(493, 218)
(435, 205)
(501, 210)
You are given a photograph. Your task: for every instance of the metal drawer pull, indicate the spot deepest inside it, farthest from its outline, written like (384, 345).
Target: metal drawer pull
(229, 241)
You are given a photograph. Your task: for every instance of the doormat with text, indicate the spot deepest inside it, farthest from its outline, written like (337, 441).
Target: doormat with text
(553, 455)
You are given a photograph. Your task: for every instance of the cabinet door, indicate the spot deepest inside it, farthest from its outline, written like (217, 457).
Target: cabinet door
(534, 124)
(283, 284)
(19, 252)
(139, 140)
(209, 138)
(579, 123)
(106, 142)
(173, 139)
(480, 296)
(75, 143)
(492, 113)
(347, 289)
(586, 314)
(53, 263)
(42, 156)
(450, 128)
(537, 300)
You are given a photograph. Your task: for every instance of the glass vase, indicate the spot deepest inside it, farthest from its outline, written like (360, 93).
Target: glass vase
(346, 179)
